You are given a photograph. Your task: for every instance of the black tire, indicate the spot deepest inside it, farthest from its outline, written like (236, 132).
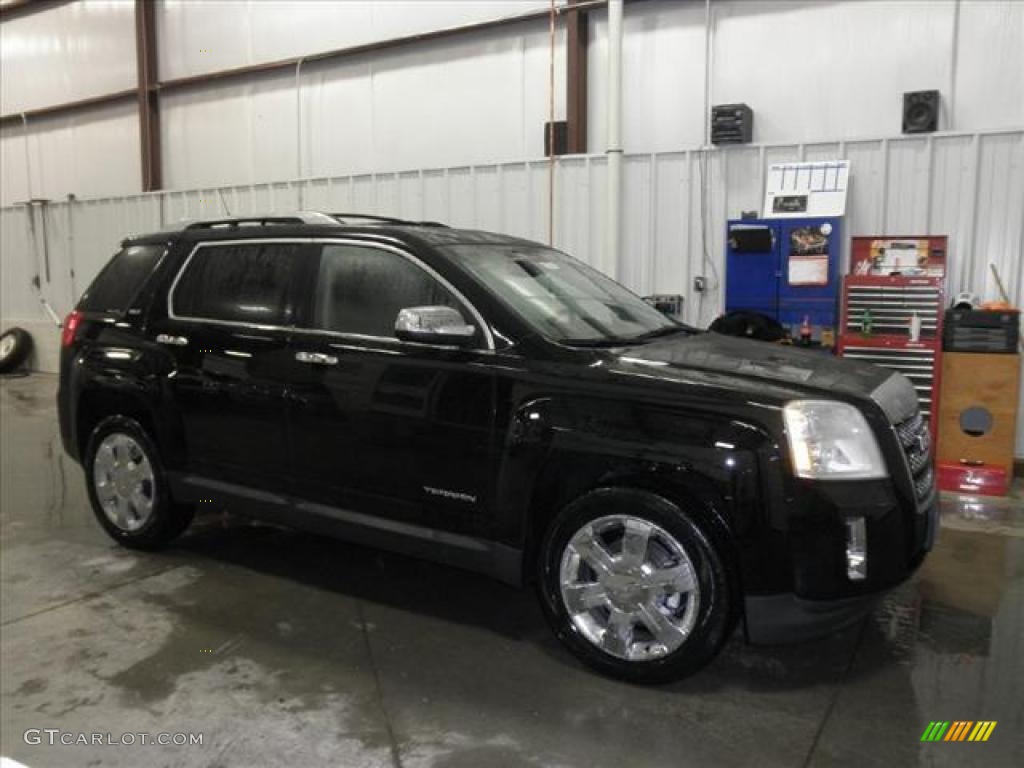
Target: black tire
(167, 520)
(718, 600)
(15, 346)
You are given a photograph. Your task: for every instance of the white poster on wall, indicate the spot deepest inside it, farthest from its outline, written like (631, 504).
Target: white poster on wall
(798, 190)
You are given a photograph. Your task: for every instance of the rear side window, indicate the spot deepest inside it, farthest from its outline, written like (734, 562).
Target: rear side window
(360, 290)
(119, 282)
(240, 283)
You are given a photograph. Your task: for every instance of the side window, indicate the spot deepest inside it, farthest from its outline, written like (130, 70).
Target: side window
(241, 283)
(360, 290)
(122, 278)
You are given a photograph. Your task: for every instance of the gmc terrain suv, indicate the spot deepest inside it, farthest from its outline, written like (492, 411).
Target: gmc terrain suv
(488, 402)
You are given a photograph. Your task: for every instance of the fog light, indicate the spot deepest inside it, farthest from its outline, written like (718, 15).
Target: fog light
(856, 549)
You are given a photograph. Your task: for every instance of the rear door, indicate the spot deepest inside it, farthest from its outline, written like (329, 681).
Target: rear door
(227, 326)
(383, 427)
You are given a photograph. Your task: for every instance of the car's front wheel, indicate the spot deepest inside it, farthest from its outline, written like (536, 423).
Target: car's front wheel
(127, 488)
(635, 587)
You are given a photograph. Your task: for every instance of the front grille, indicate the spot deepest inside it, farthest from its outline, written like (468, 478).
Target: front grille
(916, 443)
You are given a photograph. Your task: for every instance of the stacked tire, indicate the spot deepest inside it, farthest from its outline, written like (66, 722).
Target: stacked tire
(15, 346)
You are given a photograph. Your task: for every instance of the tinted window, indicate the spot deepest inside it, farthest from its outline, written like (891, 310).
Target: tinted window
(243, 283)
(119, 282)
(361, 290)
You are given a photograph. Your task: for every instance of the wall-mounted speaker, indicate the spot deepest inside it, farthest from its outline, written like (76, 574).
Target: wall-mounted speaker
(732, 124)
(920, 111)
(561, 136)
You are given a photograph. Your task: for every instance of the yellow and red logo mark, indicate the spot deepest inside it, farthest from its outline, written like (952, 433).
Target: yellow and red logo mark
(958, 730)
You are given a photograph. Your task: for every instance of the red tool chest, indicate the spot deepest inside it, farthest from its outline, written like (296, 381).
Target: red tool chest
(891, 289)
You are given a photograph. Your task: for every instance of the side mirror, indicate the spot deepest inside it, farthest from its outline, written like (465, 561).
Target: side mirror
(434, 325)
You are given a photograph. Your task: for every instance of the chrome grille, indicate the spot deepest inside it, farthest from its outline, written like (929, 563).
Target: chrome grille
(923, 485)
(915, 440)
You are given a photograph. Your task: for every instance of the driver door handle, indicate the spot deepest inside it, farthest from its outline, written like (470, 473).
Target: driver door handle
(316, 358)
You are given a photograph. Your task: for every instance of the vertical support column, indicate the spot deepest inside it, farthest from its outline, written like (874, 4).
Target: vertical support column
(149, 108)
(577, 38)
(613, 211)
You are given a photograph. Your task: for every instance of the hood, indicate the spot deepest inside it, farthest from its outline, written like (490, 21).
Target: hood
(776, 371)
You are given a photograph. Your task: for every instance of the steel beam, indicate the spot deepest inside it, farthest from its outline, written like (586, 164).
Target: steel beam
(149, 106)
(14, 8)
(577, 37)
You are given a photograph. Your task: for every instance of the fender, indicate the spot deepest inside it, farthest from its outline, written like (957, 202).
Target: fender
(558, 448)
(127, 381)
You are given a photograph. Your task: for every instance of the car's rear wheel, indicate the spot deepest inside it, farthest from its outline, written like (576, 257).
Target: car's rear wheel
(127, 487)
(635, 587)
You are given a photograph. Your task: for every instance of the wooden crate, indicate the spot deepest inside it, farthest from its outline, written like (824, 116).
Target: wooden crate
(984, 380)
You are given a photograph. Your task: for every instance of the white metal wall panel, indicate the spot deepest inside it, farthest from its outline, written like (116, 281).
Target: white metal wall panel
(990, 65)
(907, 185)
(479, 99)
(967, 186)
(812, 71)
(662, 77)
(198, 37)
(483, 98)
(17, 266)
(69, 52)
(88, 154)
(230, 133)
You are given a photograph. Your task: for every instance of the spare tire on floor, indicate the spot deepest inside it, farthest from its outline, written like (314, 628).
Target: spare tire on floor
(15, 345)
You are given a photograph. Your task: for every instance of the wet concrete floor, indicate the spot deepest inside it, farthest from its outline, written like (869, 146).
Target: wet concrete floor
(286, 649)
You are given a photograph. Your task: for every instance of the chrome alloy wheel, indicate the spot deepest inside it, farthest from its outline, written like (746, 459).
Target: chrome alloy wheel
(124, 482)
(7, 345)
(629, 587)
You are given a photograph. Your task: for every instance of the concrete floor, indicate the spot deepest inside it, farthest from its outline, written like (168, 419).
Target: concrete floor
(285, 649)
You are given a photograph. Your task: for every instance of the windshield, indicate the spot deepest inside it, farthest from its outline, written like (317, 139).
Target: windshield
(561, 297)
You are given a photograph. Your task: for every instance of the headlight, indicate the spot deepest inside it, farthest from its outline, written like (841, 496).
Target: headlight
(830, 440)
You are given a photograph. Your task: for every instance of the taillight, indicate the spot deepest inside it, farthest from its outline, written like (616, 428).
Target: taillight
(71, 323)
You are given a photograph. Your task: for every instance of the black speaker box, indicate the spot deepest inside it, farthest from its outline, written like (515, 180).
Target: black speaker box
(750, 239)
(732, 124)
(920, 111)
(561, 138)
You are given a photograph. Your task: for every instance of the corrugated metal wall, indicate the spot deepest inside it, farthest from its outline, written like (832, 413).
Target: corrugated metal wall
(811, 71)
(967, 186)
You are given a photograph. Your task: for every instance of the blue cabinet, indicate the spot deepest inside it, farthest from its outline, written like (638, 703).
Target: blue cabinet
(787, 269)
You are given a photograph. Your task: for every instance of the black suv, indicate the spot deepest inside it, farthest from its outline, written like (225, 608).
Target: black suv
(491, 403)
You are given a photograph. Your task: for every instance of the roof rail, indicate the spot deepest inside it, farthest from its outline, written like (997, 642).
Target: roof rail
(367, 216)
(301, 217)
(345, 217)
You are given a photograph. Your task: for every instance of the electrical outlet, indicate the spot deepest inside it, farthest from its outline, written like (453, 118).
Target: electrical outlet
(700, 284)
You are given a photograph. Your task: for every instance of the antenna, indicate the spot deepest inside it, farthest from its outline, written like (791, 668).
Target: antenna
(223, 202)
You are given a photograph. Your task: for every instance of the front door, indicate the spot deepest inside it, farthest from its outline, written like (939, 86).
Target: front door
(227, 327)
(382, 427)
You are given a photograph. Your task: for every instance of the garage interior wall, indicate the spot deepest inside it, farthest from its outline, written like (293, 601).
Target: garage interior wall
(451, 129)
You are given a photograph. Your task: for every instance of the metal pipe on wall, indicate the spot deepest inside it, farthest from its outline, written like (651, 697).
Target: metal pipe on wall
(613, 213)
(28, 161)
(71, 248)
(298, 118)
(551, 127)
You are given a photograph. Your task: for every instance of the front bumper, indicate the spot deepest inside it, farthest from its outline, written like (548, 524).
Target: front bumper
(786, 618)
